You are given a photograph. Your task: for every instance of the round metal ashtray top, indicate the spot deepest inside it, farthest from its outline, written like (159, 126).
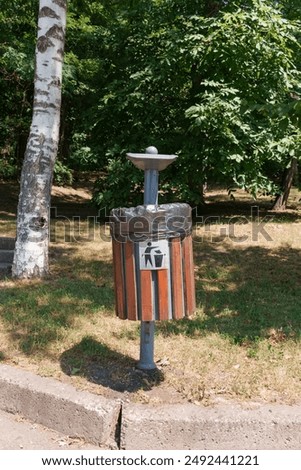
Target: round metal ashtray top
(151, 161)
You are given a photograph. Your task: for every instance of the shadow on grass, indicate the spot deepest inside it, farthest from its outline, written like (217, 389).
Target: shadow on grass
(101, 365)
(225, 210)
(245, 294)
(9, 194)
(6, 216)
(37, 313)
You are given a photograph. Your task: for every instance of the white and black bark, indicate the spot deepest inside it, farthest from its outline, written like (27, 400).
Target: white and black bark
(33, 220)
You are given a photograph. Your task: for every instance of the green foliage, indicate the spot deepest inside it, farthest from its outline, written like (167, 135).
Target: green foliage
(121, 183)
(62, 174)
(82, 157)
(206, 88)
(7, 169)
(17, 43)
(218, 83)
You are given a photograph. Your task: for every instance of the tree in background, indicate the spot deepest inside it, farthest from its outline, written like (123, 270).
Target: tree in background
(31, 252)
(17, 38)
(252, 60)
(206, 87)
(216, 82)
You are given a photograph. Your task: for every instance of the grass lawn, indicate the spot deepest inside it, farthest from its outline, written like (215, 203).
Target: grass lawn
(243, 342)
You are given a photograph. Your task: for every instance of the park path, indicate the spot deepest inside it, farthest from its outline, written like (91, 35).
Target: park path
(17, 433)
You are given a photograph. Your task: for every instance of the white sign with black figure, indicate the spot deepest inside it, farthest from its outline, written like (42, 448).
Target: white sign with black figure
(154, 255)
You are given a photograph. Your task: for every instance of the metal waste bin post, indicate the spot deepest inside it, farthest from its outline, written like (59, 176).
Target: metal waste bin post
(152, 257)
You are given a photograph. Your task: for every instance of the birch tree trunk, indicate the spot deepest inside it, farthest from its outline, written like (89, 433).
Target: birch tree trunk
(31, 252)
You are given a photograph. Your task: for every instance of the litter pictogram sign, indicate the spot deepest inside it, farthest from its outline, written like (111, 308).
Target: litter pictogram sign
(154, 255)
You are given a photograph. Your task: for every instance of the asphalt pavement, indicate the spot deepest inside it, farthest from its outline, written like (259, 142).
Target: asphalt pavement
(18, 433)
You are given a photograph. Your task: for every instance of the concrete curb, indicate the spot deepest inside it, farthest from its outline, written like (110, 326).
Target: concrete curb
(7, 243)
(111, 424)
(6, 256)
(222, 427)
(58, 406)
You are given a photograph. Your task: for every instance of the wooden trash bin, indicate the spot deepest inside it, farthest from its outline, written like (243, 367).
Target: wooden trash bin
(153, 262)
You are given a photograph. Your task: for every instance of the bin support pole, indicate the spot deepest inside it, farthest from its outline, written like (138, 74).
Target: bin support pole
(151, 181)
(147, 331)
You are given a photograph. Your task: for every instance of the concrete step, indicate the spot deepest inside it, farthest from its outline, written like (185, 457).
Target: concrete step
(6, 256)
(7, 243)
(5, 269)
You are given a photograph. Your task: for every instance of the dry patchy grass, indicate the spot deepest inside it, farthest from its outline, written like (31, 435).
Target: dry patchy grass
(242, 343)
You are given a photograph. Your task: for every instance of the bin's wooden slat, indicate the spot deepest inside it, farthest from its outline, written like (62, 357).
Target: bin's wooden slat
(118, 280)
(177, 278)
(189, 276)
(163, 289)
(146, 295)
(130, 281)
